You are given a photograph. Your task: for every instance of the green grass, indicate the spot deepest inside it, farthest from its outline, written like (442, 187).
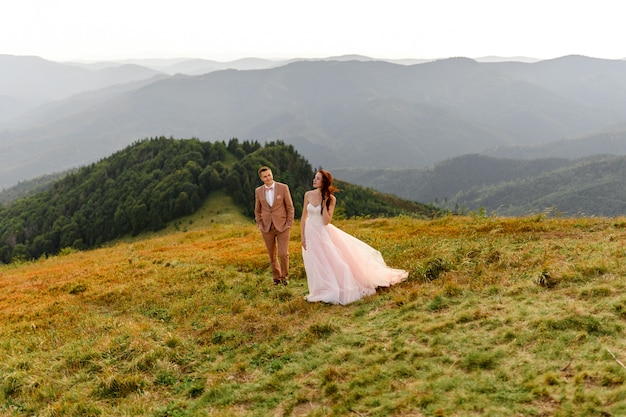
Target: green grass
(499, 317)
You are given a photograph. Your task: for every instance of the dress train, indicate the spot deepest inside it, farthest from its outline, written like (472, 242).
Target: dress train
(340, 268)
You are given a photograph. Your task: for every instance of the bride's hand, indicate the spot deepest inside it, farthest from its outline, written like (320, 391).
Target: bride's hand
(304, 245)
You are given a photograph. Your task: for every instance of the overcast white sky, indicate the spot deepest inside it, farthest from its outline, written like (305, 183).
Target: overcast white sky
(225, 30)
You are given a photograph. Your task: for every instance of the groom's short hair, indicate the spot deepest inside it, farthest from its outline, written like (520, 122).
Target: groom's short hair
(264, 168)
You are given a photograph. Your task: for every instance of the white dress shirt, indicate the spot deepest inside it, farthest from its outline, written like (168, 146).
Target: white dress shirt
(269, 194)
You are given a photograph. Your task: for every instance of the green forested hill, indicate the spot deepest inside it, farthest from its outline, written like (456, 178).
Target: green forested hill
(446, 179)
(590, 187)
(512, 187)
(155, 181)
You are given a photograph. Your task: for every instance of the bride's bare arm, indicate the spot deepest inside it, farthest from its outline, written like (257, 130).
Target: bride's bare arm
(327, 215)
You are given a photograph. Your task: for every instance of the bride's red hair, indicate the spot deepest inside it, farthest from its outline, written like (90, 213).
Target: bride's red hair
(327, 188)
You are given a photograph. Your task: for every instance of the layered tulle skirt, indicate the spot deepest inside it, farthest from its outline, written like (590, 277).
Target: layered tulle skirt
(340, 268)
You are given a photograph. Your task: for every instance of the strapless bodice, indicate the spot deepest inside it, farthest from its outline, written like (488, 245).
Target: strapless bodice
(314, 213)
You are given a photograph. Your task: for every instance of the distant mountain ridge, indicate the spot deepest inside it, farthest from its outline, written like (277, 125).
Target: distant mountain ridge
(186, 66)
(338, 113)
(590, 186)
(34, 81)
(609, 142)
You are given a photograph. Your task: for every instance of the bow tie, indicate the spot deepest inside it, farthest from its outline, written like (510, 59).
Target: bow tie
(269, 188)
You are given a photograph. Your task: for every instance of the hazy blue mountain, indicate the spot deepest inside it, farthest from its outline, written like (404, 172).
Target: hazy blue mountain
(445, 180)
(588, 186)
(338, 113)
(592, 82)
(34, 81)
(76, 104)
(187, 66)
(494, 58)
(197, 66)
(11, 107)
(612, 141)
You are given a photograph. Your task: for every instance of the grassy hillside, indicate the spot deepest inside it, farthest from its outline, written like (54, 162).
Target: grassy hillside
(499, 317)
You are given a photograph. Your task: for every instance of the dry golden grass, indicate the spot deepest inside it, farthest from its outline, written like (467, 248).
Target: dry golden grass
(499, 317)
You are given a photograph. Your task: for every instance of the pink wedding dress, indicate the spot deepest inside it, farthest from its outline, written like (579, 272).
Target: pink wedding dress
(340, 268)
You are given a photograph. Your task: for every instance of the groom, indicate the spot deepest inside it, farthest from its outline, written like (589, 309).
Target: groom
(274, 212)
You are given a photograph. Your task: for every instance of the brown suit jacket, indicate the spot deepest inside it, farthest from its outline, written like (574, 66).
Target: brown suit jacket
(280, 213)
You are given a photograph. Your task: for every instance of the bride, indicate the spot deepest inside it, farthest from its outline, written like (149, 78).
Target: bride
(340, 268)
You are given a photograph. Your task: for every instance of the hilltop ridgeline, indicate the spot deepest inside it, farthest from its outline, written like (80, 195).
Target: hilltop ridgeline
(155, 181)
